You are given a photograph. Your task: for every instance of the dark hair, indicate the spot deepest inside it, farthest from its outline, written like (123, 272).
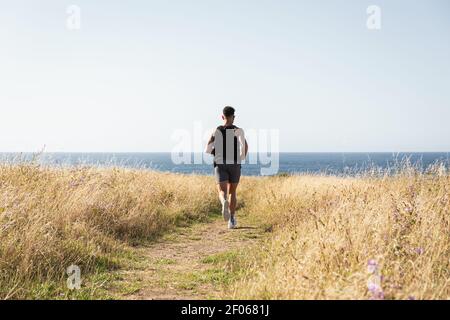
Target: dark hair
(228, 111)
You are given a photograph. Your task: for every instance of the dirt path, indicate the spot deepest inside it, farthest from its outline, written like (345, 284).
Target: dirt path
(189, 263)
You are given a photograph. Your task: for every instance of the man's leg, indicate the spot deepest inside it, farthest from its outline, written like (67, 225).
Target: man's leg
(232, 196)
(235, 175)
(223, 196)
(222, 189)
(222, 181)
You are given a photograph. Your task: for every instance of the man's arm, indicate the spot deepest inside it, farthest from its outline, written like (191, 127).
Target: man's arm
(246, 147)
(209, 145)
(243, 143)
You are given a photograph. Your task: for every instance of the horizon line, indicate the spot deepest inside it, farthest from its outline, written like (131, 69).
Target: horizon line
(262, 151)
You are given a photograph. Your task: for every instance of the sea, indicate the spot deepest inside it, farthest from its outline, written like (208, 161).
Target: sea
(326, 163)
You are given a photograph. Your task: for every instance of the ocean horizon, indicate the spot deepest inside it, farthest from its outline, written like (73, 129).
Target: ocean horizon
(333, 163)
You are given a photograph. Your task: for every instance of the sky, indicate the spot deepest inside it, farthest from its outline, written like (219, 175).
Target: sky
(138, 71)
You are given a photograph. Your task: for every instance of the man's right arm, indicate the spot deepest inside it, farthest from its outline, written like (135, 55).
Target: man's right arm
(210, 145)
(246, 147)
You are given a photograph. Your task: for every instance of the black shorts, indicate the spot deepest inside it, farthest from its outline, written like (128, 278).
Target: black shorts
(227, 172)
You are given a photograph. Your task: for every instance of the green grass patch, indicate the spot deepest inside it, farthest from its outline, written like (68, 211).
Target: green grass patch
(222, 257)
(164, 261)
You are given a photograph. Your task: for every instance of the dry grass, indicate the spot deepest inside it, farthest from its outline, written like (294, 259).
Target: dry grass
(52, 218)
(327, 229)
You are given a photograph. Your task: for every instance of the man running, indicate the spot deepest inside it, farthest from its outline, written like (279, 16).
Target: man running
(229, 147)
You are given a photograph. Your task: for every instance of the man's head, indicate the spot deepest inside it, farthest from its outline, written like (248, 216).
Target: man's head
(228, 114)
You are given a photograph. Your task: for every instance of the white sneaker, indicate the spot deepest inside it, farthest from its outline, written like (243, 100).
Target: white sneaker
(232, 223)
(225, 210)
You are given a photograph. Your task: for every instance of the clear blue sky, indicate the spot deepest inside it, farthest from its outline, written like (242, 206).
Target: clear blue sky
(138, 70)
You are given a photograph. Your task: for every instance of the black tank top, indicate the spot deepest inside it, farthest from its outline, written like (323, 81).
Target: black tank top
(223, 130)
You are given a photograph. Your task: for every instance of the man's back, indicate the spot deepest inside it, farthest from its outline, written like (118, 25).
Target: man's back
(227, 145)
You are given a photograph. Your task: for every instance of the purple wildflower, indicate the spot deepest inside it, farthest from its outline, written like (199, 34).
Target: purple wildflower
(374, 287)
(372, 266)
(375, 280)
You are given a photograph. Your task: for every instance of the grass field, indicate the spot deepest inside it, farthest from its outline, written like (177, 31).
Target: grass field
(370, 237)
(53, 218)
(365, 237)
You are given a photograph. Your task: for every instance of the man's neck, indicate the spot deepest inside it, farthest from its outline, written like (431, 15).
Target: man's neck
(228, 124)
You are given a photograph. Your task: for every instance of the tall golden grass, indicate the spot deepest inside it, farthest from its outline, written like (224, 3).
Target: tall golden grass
(51, 218)
(327, 230)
